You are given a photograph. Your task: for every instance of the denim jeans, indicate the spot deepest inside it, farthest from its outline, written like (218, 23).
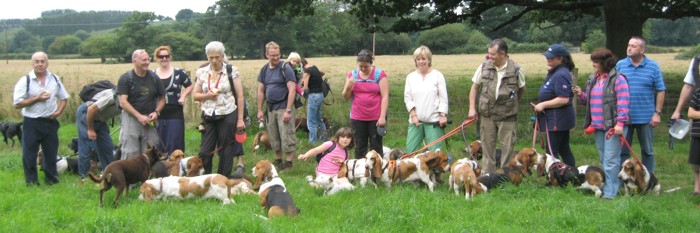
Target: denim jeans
(645, 134)
(609, 152)
(314, 118)
(103, 146)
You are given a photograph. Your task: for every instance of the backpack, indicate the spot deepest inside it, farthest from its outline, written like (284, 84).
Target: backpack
(331, 148)
(90, 90)
(325, 87)
(297, 99)
(229, 72)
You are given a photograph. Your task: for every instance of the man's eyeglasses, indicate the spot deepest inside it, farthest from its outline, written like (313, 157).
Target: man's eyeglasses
(164, 56)
(274, 56)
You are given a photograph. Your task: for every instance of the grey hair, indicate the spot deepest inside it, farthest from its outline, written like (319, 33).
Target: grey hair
(215, 46)
(137, 52)
(36, 54)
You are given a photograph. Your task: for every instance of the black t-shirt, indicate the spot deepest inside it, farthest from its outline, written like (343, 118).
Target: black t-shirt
(173, 87)
(143, 92)
(315, 79)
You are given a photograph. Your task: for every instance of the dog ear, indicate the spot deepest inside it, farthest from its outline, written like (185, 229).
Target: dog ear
(377, 168)
(343, 170)
(639, 176)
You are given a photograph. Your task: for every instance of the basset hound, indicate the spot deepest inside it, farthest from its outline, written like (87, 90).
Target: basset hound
(637, 179)
(475, 152)
(170, 167)
(560, 174)
(513, 171)
(354, 169)
(394, 171)
(437, 161)
(206, 186)
(191, 166)
(261, 139)
(464, 176)
(273, 193)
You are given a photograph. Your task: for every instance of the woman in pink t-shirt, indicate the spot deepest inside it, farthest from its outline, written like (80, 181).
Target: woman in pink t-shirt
(368, 89)
(336, 152)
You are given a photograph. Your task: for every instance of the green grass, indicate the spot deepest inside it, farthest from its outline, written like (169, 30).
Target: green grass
(531, 207)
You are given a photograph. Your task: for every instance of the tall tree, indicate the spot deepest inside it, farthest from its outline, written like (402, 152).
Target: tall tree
(623, 18)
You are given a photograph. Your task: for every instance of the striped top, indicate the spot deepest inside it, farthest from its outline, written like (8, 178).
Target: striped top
(596, 95)
(644, 81)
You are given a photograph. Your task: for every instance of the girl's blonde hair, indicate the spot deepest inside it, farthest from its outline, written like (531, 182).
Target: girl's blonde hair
(344, 132)
(294, 56)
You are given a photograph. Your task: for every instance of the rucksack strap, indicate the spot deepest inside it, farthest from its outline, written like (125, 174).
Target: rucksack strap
(26, 94)
(377, 73)
(229, 73)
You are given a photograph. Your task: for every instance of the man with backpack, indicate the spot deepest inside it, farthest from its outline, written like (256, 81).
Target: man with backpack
(277, 85)
(100, 104)
(141, 97)
(42, 98)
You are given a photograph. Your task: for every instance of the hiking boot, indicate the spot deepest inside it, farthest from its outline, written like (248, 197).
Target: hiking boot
(279, 164)
(287, 165)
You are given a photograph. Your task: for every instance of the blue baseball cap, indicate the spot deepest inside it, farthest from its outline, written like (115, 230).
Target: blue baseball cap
(556, 50)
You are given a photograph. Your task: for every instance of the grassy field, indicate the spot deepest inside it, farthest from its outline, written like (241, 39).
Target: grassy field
(70, 207)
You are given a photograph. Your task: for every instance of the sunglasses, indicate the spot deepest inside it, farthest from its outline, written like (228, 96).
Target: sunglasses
(164, 56)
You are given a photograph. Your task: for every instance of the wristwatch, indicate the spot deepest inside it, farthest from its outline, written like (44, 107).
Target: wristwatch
(288, 111)
(657, 112)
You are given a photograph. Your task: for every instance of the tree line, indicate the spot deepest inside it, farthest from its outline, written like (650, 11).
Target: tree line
(330, 30)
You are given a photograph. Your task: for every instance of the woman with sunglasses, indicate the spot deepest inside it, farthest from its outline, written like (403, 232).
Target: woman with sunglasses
(171, 122)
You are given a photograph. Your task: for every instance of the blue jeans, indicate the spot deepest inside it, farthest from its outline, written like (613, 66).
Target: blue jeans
(609, 152)
(645, 134)
(103, 146)
(314, 118)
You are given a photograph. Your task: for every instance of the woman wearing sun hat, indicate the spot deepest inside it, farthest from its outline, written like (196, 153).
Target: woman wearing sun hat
(555, 111)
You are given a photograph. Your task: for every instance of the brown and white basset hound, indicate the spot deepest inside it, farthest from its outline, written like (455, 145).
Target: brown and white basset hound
(637, 179)
(191, 166)
(273, 193)
(513, 171)
(206, 186)
(261, 139)
(437, 161)
(394, 171)
(355, 169)
(464, 176)
(475, 152)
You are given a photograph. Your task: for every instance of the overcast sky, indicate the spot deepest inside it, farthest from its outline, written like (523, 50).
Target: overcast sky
(31, 9)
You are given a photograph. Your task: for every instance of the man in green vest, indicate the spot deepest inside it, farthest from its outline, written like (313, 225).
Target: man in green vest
(499, 84)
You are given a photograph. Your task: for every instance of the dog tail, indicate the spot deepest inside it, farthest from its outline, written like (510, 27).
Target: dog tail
(94, 178)
(256, 141)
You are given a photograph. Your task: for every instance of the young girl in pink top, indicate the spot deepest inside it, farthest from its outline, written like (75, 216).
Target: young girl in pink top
(329, 166)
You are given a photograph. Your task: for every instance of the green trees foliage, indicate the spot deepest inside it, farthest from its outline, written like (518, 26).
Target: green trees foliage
(594, 40)
(69, 44)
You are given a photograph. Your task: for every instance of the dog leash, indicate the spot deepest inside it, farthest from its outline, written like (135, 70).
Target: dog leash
(623, 141)
(464, 124)
(537, 129)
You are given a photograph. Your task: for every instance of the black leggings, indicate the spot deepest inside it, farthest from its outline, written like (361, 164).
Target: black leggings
(366, 133)
(559, 140)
